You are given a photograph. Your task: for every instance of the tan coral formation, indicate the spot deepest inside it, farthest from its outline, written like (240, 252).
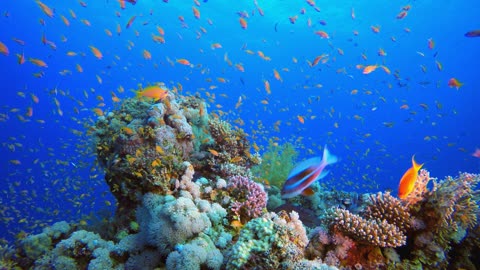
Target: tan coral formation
(384, 206)
(368, 231)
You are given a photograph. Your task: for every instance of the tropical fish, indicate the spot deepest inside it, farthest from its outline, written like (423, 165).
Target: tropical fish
(154, 91)
(473, 33)
(96, 52)
(369, 69)
(3, 49)
(453, 82)
(408, 180)
(306, 173)
(243, 23)
(476, 153)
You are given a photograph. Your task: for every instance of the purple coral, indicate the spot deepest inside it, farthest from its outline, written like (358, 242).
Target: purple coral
(249, 198)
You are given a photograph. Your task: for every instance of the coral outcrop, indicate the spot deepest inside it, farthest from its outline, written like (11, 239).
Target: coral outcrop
(186, 200)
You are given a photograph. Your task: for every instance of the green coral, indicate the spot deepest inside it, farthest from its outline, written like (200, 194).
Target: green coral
(277, 162)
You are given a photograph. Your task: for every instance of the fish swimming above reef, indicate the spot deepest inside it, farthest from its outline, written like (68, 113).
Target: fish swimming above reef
(407, 183)
(306, 173)
(154, 91)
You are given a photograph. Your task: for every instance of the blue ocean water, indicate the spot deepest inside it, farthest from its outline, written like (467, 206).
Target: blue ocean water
(48, 165)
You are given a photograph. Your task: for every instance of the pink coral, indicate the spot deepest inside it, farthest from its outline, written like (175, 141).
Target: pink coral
(249, 198)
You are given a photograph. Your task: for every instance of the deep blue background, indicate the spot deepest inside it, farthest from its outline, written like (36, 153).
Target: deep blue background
(58, 179)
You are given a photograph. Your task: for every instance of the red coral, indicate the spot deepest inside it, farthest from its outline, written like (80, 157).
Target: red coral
(249, 198)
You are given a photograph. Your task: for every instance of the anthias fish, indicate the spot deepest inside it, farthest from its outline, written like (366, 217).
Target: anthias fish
(407, 183)
(306, 173)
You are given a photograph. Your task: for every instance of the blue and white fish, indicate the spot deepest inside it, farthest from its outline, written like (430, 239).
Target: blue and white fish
(306, 173)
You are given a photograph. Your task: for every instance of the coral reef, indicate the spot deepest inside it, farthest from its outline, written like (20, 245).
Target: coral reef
(368, 231)
(384, 206)
(277, 162)
(186, 200)
(249, 198)
(271, 241)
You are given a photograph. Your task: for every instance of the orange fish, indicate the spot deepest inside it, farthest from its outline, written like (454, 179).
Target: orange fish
(196, 12)
(184, 62)
(301, 119)
(369, 69)
(38, 62)
(431, 43)
(277, 75)
(267, 86)
(156, 92)
(322, 34)
(453, 82)
(48, 11)
(243, 23)
(96, 52)
(213, 152)
(3, 48)
(408, 180)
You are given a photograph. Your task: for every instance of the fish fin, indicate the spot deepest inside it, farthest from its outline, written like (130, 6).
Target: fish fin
(322, 175)
(302, 166)
(308, 192)
(327, 157)
(416, 166)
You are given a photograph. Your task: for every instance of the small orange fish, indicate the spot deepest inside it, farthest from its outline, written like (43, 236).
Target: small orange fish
(196, 12)
(3, 49)
(369, 69)
(277, 75)
(301, 119)
(431, 44)
(213, 152)
(96, 52)
(407, 183)
(267, 86)
(156, 92)
(375, 28)
(184, 62)
(453, 82)
(48, 11)
(216, 46)
(243, 23)
(38, 62)
(322, 34)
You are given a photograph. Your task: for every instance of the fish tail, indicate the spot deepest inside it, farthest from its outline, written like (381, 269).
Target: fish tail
(416, 166)
(328, 158)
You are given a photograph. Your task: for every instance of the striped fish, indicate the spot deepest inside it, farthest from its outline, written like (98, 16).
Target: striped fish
(305, 174)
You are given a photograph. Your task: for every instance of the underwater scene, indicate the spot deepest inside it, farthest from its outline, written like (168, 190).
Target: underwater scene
(253, 134)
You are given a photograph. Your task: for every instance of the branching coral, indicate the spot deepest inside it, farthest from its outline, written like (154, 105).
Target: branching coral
(249, 198)
(420, 190)
(384, 206)
(368, 231)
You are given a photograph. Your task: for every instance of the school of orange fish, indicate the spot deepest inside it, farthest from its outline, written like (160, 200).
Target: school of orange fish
(62, 183)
